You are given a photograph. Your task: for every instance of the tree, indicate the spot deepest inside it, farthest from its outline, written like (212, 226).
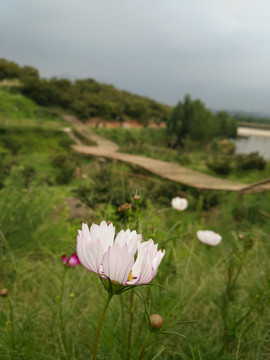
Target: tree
(192, 120)
(28, 72)
(188, 119)
(226, 126)
(175, 125)
(9, 70)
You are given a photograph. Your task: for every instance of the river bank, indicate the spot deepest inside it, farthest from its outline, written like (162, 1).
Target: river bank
(244, 131)
(253, 140)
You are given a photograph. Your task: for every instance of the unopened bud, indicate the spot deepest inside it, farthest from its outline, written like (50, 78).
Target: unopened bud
(4, 292)
(250, 243)
(124, 207)
(137, 197)
(241, 236)
(156, 321)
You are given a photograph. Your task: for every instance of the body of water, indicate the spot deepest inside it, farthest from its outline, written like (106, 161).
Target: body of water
(253, 141)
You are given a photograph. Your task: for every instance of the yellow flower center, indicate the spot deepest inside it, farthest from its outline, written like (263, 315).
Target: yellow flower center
(130, 276)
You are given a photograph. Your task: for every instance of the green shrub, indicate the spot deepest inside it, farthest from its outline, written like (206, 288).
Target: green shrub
(6, 163)
(220, 165)
(210, 199)
(66, 167)
(251, 161)
(163, 192)
(103, 187)
(65, 142)
(227, 147)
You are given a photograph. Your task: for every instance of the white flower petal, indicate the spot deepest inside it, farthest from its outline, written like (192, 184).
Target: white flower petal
(83, 243)
(103, 232)
(157, 260)
(147, 262)
(90, 253)
(129, 238)
(146, 270)
(117, 263)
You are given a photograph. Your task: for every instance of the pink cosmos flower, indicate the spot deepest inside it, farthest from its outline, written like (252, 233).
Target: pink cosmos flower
(101, 253)
(73, 260)
(209, 237)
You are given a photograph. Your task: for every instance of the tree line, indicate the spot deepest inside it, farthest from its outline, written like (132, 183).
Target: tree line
(87, 98)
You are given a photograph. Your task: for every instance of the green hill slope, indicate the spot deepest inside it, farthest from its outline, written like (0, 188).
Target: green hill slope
(84, 98)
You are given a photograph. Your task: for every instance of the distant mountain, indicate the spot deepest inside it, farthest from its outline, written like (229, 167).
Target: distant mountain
(253, 114)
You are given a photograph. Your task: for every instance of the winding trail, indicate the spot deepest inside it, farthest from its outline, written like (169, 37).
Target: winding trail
(108, 149)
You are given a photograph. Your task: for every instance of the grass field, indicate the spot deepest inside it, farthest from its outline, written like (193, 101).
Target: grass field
(216, 297)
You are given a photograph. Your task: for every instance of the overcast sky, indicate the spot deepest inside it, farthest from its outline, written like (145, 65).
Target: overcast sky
(216, 50)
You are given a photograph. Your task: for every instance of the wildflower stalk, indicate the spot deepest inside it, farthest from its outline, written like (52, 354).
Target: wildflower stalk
(140, 327)
(128, 217)
(123, 318)
(144, 345)
(233, 272)
(61, 317)
(137, 217)
(131, 313)
(100, 323)
(11, 319)
(174, 226)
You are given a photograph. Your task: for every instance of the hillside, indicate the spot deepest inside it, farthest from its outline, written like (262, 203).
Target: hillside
(84, 98)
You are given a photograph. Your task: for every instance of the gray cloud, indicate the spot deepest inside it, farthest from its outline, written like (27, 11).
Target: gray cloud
(218, 51)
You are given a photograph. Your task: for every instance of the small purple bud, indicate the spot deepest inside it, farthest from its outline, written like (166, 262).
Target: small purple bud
(73, 260)
(65, 259)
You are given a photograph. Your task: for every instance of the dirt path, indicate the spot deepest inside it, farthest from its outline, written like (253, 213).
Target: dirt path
(101, 142)
(171, 171)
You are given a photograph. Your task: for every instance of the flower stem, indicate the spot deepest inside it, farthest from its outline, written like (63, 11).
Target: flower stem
(137, 217)
(131, 313)
(102, 315)
(144, 345)
(123, 318)
(61, 318)
(11, 317)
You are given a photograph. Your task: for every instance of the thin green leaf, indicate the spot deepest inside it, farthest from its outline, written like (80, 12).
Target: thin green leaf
(172, 333)
(184, 322)
(159, 353)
